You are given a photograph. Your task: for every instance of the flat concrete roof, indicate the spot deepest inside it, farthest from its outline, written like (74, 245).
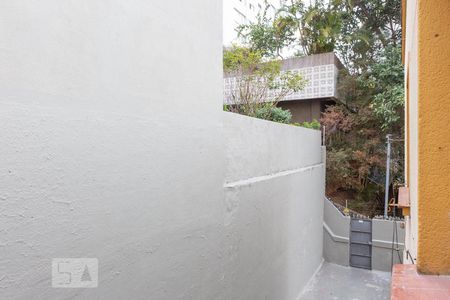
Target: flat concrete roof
(328, 58)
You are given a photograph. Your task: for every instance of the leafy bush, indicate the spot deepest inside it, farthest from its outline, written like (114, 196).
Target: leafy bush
(340, 172)
(275, 114)
(314, 124)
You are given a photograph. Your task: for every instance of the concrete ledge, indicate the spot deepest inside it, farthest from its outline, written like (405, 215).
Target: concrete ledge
(334, 237)
(256, 179)
(386, 244)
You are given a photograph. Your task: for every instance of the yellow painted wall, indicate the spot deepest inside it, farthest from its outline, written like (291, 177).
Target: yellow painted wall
(433, 116)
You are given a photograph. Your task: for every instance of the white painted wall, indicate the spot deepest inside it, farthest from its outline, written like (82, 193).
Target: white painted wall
(113, 146)
(274, 195)
(412, 133)
(256, 147)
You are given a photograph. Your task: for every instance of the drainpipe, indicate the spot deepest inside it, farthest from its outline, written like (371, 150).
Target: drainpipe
(388, 169)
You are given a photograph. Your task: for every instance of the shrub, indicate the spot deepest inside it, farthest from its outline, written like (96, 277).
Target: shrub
(314, 124)
(275, 114)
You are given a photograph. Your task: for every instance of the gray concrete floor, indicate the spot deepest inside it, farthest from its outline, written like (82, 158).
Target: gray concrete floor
(337, 282)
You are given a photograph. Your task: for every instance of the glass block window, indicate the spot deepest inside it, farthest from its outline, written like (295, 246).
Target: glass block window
(321, 82)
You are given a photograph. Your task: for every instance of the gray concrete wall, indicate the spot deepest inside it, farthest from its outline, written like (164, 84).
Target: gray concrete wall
(274, 199)
(382, 232)
(336, 229)
(303, 110)
(312, 61)
(336, 238)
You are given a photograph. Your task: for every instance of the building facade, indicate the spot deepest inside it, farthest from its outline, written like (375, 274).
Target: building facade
(321, 73)
(427, 80)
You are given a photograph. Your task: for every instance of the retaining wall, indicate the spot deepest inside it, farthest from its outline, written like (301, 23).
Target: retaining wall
(336, 239)
(273, 194)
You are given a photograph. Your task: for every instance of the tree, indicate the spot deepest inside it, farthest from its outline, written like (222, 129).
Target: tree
(368, 27)
(256, 86)
(358, 30)
(311, 29)
(366, 36)
(386, 79)
(356, 129)
(267, 36)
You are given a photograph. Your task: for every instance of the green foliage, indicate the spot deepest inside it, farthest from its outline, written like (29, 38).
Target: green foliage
(372, 106)
(275, 114)
(366, 36)
(267, 36)
(258, 83)
(340, 172)
(318, 25)
(241, 59)
(356, 30)
(387, 78)
(368, 27)
(314, 124)
(314, 28)
(379, 89)
(356, 129)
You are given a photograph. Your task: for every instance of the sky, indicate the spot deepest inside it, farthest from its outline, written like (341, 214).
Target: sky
(237, 12)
